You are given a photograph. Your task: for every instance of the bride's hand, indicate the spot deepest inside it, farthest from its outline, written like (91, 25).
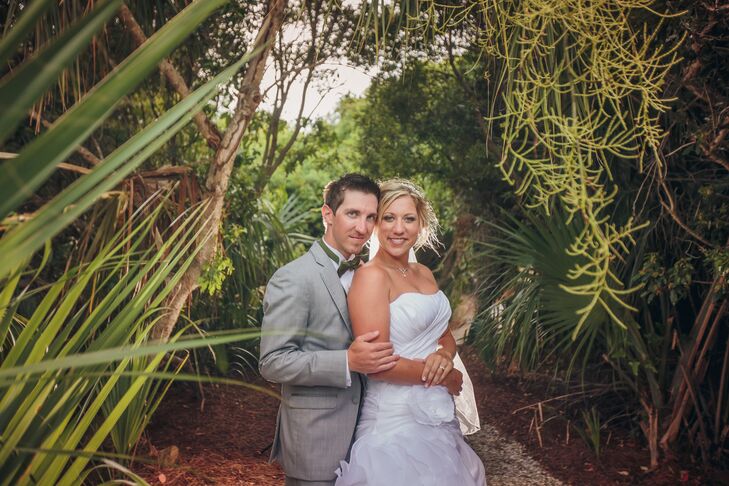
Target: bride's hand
(437, 367)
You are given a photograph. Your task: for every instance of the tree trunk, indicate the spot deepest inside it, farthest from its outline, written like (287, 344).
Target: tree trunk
(694, 362)
(218, 176)
(650, 430)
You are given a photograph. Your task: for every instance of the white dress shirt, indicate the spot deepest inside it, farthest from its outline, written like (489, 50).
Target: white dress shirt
(346, 280)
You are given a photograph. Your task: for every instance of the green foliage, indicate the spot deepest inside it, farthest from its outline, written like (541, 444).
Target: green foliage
(214, 274)
(569, 110)
(19, 91)
(652, 276)
(136, 416)
(80, 195)
(530, 318)
(39, 158)
(73, 336)
(656, 279)
(64, 323)
(719, 259)
(269, 237)
(421, 124)
(591, 430)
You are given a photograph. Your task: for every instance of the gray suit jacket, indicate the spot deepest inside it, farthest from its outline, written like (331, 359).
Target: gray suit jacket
(306, 332)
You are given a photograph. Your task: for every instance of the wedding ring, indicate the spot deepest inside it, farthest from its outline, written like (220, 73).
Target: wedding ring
(441, 367)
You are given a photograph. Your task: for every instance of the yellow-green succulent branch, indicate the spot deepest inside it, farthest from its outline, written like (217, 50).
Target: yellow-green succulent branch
(581, 89)
(580, 86)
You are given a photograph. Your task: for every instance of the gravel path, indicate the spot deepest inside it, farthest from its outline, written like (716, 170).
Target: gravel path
(507, 463)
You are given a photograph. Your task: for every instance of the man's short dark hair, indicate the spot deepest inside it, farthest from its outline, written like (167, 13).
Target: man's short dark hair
(334, 191)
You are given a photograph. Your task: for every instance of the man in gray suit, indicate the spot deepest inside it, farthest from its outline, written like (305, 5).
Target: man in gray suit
(307, 344)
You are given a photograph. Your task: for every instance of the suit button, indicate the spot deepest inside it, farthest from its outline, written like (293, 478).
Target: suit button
(354, 400)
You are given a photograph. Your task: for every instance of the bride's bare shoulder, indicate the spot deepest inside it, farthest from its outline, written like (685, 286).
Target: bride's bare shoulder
(370, 284)
(422, 269)
(372, 273)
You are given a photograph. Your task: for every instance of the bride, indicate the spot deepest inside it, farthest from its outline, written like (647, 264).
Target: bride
(407, 433)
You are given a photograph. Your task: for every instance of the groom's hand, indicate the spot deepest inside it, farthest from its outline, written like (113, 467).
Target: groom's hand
(367, 357)
(454, 382)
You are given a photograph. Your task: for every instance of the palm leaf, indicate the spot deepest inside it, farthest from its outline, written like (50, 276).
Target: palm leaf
(20, 90)
(10, 40)
(68, 382)
(531, 317)
(20, 176)
(79, 196)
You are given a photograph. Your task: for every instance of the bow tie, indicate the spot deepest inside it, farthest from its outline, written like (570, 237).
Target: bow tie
(346, 265)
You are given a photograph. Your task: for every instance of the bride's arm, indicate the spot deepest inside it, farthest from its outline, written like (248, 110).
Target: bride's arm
(369, 310)
(439, 364)
(448, 344)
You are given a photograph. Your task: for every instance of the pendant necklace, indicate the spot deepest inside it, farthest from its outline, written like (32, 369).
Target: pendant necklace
(403, 271)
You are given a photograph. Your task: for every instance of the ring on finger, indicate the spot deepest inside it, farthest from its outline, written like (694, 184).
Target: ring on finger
(441, 367)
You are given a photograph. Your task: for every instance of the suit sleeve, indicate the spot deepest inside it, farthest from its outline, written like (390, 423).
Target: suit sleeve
(285, 316)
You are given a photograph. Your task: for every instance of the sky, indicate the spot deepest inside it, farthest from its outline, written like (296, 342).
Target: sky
(347, 80)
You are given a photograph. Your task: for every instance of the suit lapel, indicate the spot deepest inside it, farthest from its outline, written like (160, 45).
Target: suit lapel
(332, 284)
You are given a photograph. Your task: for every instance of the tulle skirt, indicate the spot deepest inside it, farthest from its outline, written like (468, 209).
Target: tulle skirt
(409, 436)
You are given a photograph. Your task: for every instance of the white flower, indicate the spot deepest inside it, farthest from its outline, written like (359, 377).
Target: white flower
(431, 406)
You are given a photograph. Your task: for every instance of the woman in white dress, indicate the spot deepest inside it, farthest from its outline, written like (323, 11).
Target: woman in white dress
(407, 433)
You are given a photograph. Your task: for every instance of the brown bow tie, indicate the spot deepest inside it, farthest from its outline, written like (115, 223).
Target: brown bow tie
(348, 265)
(345, 265)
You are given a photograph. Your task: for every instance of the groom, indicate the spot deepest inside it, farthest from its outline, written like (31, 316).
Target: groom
(307, 344)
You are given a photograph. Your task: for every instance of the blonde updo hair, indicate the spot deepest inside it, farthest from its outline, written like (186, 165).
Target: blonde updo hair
(393, 189)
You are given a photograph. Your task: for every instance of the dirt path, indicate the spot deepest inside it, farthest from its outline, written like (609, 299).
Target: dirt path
(506, 461)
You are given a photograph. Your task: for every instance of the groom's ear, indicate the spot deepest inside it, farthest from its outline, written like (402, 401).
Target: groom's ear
(327, 216)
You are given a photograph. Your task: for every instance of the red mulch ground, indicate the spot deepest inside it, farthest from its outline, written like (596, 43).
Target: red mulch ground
(622, 461)
(224, 439)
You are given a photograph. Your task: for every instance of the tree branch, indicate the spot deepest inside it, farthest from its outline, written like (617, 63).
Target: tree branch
(670, 207)
(289, 72)
(82, 151)
(208, 130)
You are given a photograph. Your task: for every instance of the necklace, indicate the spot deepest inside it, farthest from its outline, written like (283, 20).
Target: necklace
(403, 271)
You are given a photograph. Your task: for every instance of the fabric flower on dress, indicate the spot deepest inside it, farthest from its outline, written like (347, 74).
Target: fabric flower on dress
(431, 406)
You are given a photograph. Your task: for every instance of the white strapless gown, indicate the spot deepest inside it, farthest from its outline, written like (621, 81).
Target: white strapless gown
(408, 435)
